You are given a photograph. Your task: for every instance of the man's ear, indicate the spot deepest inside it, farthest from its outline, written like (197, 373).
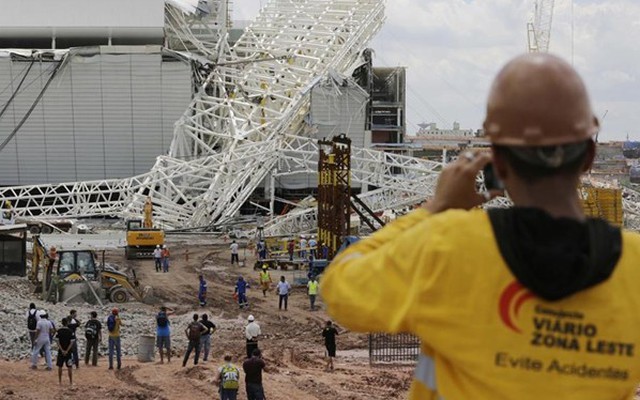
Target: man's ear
(591, 155)
(499, 164)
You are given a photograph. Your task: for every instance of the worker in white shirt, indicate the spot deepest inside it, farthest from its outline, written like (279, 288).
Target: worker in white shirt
(251, 333)
(283, 292)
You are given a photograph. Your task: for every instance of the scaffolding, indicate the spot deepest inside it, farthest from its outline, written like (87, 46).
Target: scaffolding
(334, 192)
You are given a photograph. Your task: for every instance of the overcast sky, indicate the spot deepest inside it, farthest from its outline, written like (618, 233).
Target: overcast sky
(453, 48)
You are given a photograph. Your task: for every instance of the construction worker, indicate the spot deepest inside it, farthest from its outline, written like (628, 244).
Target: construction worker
(291, 245)
(148, 213)
(329, 334)
(283, 290)
(8, 214)
(312, 290)
(114, 323)
(234, 252)
(166, 255)
(241, 292)
(262, 250)
(303, 247)
(228, 379)
(202, 291)
(313, 244)
(532, 302)
(157, 257)
(265, 279)
(252, 333)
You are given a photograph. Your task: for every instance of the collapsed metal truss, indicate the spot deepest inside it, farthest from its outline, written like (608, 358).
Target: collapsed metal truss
(228, 139)
(246, 122)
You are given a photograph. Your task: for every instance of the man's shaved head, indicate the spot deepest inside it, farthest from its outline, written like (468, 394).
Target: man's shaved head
(538, 100)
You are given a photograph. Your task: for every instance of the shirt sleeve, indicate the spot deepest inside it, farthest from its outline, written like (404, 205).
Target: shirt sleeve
(370, 286)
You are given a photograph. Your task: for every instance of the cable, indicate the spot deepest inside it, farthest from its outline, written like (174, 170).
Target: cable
(15, 92)
(33, 106)
(12, 80)
(34, 80)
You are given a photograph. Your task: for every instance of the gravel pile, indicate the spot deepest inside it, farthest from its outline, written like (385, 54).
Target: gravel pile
(137, 320)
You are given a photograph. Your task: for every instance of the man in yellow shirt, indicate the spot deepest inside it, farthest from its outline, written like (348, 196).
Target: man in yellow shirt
(113, 326)
(532, 302)
(312, 290)
(265, 280)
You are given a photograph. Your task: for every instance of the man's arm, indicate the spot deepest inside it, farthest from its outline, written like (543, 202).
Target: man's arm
(66, 351)
(371, 285)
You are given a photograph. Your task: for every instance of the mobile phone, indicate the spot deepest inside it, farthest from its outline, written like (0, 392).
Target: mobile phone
(491, 180)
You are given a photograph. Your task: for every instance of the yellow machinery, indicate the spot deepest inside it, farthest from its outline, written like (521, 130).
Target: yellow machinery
(142, 241)
(605, 203)
(119, 287)
(79, 266)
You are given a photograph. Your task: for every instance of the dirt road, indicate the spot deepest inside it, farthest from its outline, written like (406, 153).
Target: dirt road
(292, 345)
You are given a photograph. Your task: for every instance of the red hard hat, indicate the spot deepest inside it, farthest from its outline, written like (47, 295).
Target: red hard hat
(114, 311)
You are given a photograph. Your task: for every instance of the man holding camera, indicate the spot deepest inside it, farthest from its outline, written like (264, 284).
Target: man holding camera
(532, 302)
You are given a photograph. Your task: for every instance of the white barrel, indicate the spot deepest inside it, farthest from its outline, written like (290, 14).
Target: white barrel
(146, 348)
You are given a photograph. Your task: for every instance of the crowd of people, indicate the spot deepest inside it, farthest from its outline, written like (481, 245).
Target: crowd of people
(44, 334)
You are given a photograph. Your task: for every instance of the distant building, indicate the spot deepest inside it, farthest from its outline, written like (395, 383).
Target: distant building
(110, 109)
(431, 129)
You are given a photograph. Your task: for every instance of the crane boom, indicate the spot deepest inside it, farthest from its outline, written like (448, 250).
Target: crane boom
(539, 30)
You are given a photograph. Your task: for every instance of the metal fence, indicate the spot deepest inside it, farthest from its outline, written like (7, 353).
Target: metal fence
(402, 348)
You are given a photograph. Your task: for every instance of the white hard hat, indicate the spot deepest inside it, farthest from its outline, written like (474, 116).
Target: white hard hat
(157, 246)
(40, 313)
(250, 318)
(164, 246)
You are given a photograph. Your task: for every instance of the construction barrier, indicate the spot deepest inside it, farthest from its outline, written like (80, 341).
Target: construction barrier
(402, 348)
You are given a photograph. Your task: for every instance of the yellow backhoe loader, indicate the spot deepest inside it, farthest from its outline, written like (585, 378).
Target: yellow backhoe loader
(77, 271)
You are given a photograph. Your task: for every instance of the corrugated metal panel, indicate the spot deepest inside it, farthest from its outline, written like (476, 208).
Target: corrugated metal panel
(105, 116)
(118, 119)
(176, 95)
(9, 156)
(333, 112)
(88, 121)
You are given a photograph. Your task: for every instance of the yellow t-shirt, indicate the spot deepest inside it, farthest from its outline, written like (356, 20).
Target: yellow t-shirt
(265, 277)
(313, 287)
(485, 336)
(116, 330)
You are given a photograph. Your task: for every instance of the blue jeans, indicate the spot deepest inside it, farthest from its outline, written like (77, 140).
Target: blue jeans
(165, 264)
(114, 344)
(205, 346)
(193, 345)
(228, 394)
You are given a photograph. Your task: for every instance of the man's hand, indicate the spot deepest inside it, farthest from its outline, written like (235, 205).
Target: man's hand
(456, 186)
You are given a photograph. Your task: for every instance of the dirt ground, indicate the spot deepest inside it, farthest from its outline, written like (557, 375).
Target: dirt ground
(292, 345)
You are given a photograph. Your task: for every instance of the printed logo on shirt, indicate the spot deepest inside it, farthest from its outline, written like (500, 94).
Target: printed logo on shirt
(561, 330)
(511, 300)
